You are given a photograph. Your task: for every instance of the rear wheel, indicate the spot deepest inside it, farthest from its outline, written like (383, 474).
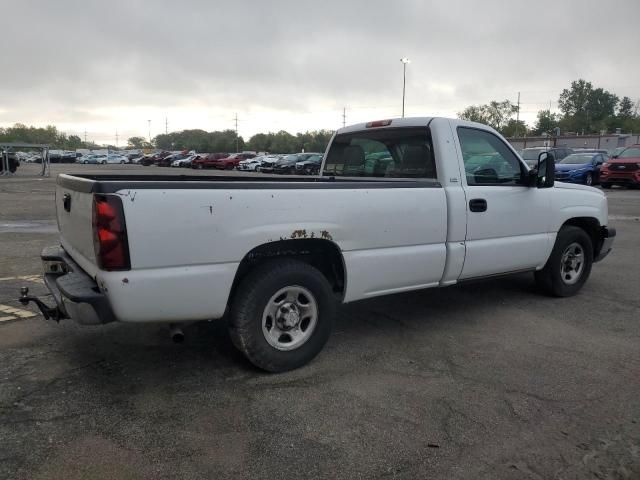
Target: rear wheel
(282, 315)
(104, 162)
(569, 265)
(121, 161)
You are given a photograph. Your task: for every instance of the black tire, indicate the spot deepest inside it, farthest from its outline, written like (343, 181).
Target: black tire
(121, 161)
(251, 299)
(588, 180)
(605, 185)
(550, 279)
(104, 162)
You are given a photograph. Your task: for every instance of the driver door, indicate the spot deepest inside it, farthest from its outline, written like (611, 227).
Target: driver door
(507, 221)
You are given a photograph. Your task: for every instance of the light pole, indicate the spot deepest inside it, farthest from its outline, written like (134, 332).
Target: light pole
(404, 61)
(149, 131)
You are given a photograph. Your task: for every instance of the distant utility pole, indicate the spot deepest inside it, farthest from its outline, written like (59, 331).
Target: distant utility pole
(85, 138)
(236, 120)
(517, 115)
(166, 125)
(404, 61)
(344, 117)
(116, 138)
(149, 130)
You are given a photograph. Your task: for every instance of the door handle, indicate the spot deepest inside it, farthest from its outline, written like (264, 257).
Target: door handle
(478, 205)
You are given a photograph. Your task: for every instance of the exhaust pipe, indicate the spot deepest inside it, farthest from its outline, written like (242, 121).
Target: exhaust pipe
(176, 333)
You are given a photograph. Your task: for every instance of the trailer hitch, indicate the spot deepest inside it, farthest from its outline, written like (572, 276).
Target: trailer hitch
(48, 312)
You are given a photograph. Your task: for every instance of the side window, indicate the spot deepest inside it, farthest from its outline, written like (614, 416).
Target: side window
(487, 160)
(388, 152)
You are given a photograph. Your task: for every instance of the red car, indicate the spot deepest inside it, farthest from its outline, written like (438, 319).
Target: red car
(622, 169)
(207, 161)
(232, 161)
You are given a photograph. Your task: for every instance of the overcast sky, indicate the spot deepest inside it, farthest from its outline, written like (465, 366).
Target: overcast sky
(112, 65)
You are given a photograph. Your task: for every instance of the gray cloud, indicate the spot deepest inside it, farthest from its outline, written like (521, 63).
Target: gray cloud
(82, 63)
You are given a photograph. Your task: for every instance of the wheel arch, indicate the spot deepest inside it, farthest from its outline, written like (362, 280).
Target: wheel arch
(592, 227)
(323, 254)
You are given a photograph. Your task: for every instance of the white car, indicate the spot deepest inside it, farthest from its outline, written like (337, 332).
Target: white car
(251, 164)
(181, 162)
(113, 158)
(446, 201)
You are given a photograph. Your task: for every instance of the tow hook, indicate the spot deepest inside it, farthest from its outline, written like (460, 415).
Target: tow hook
(52, 313)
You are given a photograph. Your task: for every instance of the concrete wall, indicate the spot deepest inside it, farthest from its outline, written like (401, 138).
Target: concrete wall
(607, 142)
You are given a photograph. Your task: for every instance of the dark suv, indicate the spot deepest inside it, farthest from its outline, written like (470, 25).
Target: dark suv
(530, 155)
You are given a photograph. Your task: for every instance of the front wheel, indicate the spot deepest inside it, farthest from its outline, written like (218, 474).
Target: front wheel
(605, 185)
(282, 315)
(588, 180)
(121, 161)
(104, 162)
(569, 264)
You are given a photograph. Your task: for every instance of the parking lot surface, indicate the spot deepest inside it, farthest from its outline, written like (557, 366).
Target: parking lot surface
(486, 380)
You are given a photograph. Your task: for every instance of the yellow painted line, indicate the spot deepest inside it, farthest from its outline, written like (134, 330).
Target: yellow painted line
(4, 319)
(16, 311)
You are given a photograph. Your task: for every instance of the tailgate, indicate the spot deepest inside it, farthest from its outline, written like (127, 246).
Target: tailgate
(74, 211)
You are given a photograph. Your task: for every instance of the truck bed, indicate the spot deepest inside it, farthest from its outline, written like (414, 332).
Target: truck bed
(110, 183)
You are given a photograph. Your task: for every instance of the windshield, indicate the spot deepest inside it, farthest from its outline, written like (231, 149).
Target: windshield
(630, 153)
(532, 154)
(577, 159)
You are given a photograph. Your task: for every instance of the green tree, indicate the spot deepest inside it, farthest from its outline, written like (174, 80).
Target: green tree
(495, 114)
(585, 108)
(545, 122)
(137, 142)
(626, 108)
(514, 128)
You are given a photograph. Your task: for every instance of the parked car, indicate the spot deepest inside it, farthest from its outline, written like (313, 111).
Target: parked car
(580, 168)
(622, 169)
(208, 161)
(113, 158)
(287, 163)
(184, 162)
(309, 166)
(251, 164)
(286, 253)
(89, 158)
(232, 161)
(266, 166)
(169, 159)
(153, 159)
(530, 155)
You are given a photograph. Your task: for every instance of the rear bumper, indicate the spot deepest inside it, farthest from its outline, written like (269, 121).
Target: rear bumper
(77, 295)
(608, 236)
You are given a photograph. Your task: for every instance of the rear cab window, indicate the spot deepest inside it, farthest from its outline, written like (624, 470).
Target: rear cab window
(382, 153)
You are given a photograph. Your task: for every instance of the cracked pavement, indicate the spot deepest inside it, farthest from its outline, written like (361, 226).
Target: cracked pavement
(486, 380)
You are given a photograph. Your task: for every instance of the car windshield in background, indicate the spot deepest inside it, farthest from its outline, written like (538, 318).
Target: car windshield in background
(630, 153)
(389, 152)
(577, 159)
(532, 154)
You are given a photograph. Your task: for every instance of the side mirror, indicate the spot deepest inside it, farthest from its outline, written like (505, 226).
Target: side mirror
(614, 156)
(546, 171)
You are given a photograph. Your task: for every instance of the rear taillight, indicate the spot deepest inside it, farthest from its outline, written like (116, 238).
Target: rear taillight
(110, 233)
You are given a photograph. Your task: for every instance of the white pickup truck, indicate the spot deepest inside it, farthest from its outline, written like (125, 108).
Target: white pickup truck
(400, 205)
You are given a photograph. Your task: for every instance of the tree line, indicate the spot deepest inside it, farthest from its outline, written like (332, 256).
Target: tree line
(227, 141)
(48, 135)
(198, 140)
(583, 110)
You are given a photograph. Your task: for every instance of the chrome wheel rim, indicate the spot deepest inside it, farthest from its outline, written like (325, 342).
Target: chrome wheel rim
(289, 318)
(589, 180)
(572, 263)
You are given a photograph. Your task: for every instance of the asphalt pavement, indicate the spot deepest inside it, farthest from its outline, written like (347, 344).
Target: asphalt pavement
(487, 380)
